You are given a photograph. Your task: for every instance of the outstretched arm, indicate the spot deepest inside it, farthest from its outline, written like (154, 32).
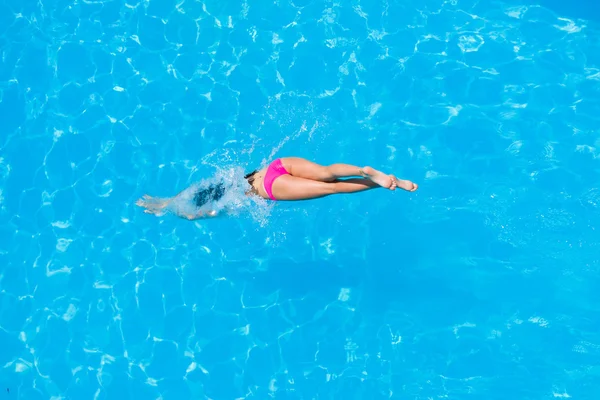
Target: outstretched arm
(158, 206)
(198, 215)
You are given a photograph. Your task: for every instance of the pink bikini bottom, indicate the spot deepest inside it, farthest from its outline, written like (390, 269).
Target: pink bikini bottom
(274, 171)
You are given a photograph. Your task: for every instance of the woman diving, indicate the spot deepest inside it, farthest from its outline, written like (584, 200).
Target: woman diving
(288, 178)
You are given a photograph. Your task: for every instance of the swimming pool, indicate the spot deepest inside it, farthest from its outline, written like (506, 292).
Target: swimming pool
(483, 284)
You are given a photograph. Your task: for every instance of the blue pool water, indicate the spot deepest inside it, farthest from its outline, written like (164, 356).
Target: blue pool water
(482, 285)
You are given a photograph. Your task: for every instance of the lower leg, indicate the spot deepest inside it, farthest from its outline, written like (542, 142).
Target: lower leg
(345, 170)
(353, 185)
(378, 178)
(339, 170)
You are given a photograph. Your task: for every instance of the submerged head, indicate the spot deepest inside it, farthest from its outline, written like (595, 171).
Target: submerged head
(250, 177)
(214, 192)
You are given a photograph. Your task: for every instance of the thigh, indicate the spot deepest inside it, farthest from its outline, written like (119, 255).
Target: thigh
(302, 168)
(288, 187)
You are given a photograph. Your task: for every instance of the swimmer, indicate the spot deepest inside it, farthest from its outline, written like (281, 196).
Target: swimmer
(288, 179)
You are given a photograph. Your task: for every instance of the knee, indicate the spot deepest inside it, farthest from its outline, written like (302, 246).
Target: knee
(327, 175)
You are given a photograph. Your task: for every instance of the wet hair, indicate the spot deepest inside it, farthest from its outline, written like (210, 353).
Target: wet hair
(211, 193)
(250, 177)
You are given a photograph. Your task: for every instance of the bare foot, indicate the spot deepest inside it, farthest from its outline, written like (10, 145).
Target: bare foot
(378, 177)
(403, 184)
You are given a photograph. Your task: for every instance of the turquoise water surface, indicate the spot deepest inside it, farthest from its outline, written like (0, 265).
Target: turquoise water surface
(484, 284)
